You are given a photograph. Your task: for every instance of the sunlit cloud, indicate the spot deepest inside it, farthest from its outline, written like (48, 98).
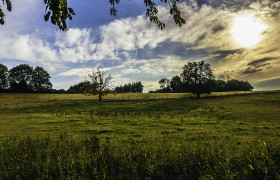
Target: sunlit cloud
(247, 30)
(133, 48)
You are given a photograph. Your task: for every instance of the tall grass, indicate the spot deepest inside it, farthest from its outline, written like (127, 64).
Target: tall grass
(163, 158)
(229, 137)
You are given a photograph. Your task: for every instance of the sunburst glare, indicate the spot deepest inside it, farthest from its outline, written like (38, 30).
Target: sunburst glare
(247, 30)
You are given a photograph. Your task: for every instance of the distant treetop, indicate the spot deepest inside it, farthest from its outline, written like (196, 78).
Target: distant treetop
(198, 78)
(134, 87)
(24, 78)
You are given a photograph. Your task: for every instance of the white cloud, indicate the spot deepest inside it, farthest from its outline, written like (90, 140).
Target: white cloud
(79, 72)
(145, 70)
(26, 47)
(75, 45)
(116, 38)
(206, 28)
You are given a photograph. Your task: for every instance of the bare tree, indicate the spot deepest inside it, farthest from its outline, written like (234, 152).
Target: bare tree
(99, 83)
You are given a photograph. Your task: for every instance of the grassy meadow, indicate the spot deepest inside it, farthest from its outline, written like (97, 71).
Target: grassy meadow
(140, 136)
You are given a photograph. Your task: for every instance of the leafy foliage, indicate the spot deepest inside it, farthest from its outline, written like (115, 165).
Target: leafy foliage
(9, 8)
(40, 80)
(233, 85)
(221, 86)
(77, 88)
(23, 78)
(134, 87)
(3, 77)
(164, 83)
(198, 77)
(176, 84)
(165, 87)
(237, 85)
(20, 78)
(59, 12)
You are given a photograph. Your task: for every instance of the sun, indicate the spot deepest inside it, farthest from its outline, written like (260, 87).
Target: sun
(247, 30)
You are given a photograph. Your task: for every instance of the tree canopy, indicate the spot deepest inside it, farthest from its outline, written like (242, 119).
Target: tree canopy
(134, 87)
(198, 77)
(238, 85)
(3, 77)
(24, 78)
(76, 88)
(20, 78)
(40, 80)
(176, 84)
(58, 12)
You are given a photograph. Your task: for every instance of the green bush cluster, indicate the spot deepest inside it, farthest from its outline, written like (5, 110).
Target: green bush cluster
(65, 157)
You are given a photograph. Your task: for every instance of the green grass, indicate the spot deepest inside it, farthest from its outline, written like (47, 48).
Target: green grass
(254, 115)
(140, 136)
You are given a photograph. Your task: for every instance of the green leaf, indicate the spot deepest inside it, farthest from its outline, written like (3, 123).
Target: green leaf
(47, 16)
(9, 5)
(71, 11)
(113, 11)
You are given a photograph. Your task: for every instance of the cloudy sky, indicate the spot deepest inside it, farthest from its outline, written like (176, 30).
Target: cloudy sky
(239, 38)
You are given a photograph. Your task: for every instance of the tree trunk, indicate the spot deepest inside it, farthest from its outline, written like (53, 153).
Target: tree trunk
(100, 97)
(197, 95)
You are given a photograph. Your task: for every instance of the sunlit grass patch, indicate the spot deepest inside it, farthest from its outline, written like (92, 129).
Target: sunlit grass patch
(139, 136)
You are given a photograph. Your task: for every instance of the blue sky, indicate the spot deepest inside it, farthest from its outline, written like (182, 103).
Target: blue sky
(131, 48)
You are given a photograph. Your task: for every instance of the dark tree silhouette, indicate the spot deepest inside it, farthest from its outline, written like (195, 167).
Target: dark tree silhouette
(20, 87)
(238, 85)
(58, 12)
(77, 88)
(221, 86)
(20, 78)
(176, 84)
(198, 77)
(3, 77)
(99, 83)
(139, 87)
(134, 87)
(23, 78)
(40, 81)
(164, 83)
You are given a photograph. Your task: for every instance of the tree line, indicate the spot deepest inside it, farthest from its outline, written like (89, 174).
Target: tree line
(175, 85)
(24, 79)
(198, 78)
(134, 87)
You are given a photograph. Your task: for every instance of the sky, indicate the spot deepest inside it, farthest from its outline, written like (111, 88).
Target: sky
(239, 38)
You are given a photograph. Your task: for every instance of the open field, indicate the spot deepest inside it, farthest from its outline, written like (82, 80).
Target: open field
(253, 115)
(140, 136)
